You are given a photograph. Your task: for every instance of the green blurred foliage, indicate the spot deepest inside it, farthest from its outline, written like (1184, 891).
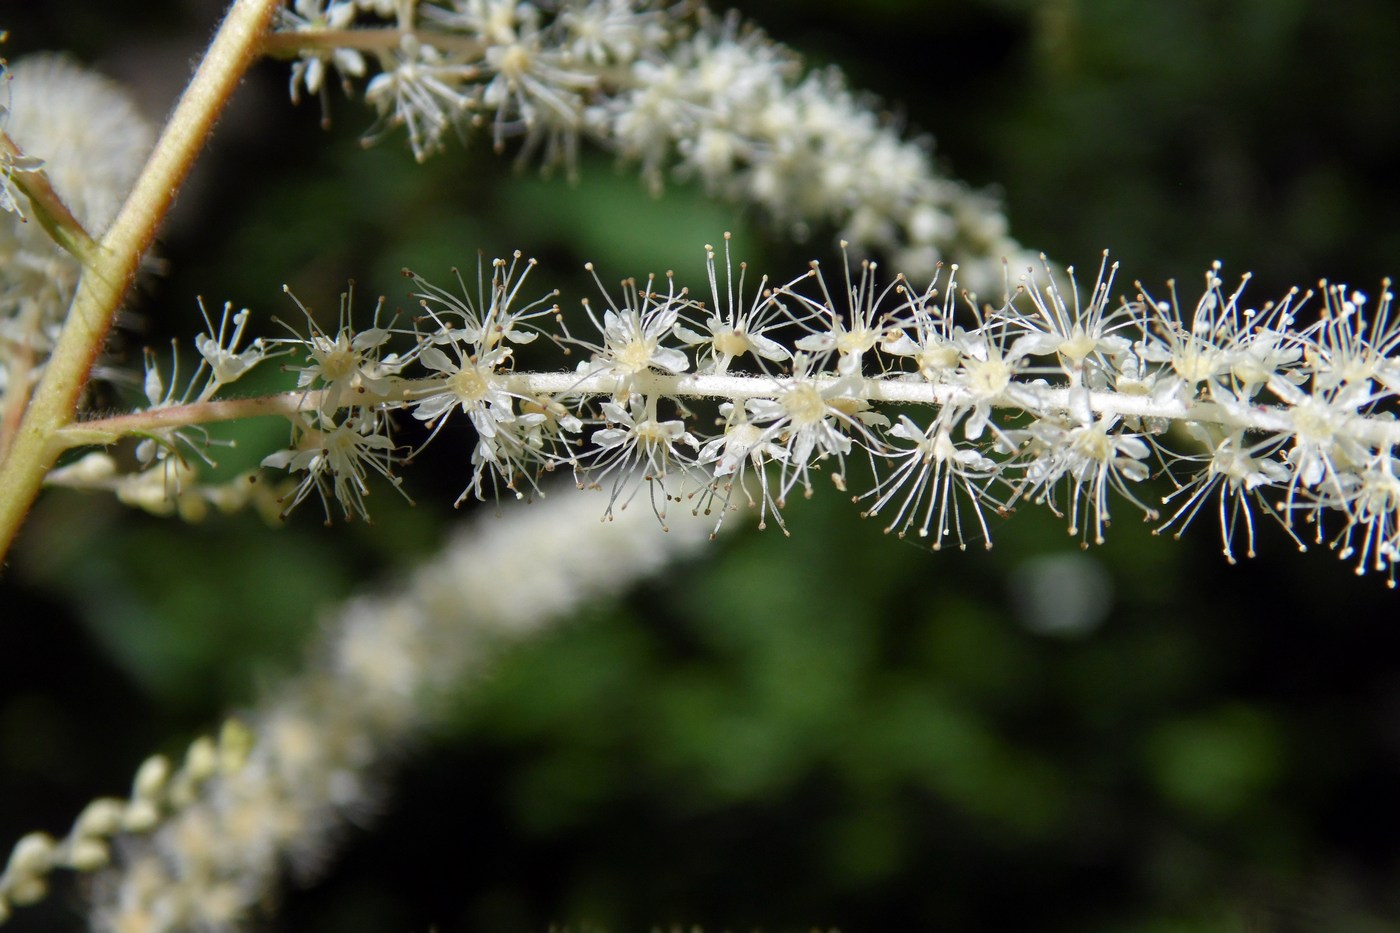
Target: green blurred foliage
(837, 729)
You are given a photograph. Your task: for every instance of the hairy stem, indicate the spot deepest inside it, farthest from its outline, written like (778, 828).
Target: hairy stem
(108, 274)
(172, 417)
(1263, 419)
(290, 43)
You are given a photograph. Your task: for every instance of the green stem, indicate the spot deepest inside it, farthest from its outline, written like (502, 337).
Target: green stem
(110, 272)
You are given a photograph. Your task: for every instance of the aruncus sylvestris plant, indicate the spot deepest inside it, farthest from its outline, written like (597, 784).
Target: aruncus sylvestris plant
(974, 380)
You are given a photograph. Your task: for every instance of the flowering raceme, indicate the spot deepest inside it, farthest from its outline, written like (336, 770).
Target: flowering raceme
(702, 96)
(955, 410)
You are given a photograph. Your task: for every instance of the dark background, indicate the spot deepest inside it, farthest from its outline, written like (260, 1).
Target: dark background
(836, 729)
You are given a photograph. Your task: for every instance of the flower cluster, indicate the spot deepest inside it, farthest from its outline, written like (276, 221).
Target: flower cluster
(90, 141)
(158, 790)
(342, 434)
(202, 847)
(671, 89)
(954, 410)
(944, 410)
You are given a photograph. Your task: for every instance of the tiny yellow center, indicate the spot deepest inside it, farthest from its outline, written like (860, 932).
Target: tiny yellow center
(1077, 347)
(1094, 444)
(1194, 365)
(856, 341)
(804, 405)
(936, 359)
(514, 63)
(337, 359)
(468, 385)
(987, 378)
(731, 343)
(635, 356)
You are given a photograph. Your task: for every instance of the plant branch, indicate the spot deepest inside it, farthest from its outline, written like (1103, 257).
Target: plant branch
(290, 43)
(174, 417)
(110, 271)
(1261, 419)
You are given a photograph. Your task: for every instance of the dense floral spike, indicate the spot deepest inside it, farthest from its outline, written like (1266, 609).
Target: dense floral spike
(1049, 397)
(201, 846)
(670, 88)
(950, 409)
(90, 140)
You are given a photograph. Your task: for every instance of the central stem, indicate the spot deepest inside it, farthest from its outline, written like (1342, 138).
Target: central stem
(1260, 419)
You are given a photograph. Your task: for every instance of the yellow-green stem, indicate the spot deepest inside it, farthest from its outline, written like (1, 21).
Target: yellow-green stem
(290, 43)
(172, 417)
(107, 277)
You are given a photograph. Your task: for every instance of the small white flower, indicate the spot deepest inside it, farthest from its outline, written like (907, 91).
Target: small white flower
(309, 70)
(226, 362)
(604, 32)
(533, 91)
(988, 375)
(1090, 458)
(1371, 506)
(472, 383)
(637, 444)
(1078, 334)
(633, 333)
(336, 458)
(348, 368)
(742, 445)
(1225, 346)
(645, 121)
(852, 333)
(733, 329)
(1348, 345)
(931, 481)
(166, 447)
(424, 90)
(924, 331)
(1237, 474)
(495, 315)
(814, 418)
(1323, 444)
